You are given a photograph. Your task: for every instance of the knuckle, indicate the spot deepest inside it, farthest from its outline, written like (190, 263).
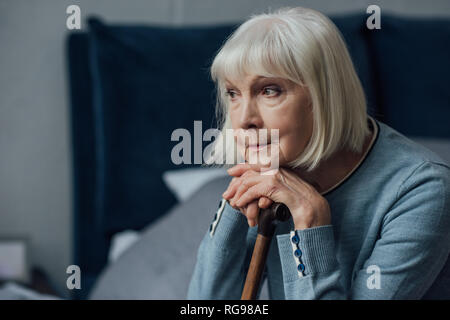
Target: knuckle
(240, 189)
(266, 200)
(251, 191)
(236, 186)
(238, 180)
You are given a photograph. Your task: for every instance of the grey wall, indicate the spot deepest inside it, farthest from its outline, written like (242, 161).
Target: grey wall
(35, 154)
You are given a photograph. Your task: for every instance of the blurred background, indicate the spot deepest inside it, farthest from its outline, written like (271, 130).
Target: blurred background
(63, 151)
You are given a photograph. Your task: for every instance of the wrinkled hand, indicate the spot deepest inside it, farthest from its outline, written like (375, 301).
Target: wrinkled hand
(250, 190)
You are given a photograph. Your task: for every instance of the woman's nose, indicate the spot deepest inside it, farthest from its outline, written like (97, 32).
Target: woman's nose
(250, 117)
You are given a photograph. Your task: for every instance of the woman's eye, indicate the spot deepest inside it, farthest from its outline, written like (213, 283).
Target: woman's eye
(230, 93)
(271, 91)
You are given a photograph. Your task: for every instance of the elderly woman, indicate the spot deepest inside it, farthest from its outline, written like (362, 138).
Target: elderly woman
(370, 208)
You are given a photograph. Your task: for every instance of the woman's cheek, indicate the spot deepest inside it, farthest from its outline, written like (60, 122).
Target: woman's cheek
(289, 150)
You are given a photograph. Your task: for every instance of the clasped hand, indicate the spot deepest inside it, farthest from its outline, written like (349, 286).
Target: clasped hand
(250, 190)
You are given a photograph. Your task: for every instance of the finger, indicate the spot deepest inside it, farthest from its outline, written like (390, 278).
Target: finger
(250, 182)
(264, 202)
(238, 169)
(241, 168)
(252, 211)
(270, 190)
(244, 211)
(236, 183)
(245, 184)
(235, 207)
(231, 188)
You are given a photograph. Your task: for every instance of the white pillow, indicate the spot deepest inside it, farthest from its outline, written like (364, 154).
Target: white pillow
(185, 182)
(120, 242)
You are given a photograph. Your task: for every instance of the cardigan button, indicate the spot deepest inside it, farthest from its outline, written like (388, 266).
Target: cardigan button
(301, 267)
(295, 239)
(298, 253)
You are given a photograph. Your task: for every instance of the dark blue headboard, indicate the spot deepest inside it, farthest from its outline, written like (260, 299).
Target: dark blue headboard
(89, 242)
(131, 86)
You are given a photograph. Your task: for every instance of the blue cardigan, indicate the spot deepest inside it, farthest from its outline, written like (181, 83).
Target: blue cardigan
(389, 237)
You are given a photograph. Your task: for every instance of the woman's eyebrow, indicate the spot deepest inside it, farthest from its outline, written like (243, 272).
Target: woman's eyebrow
(254, 81)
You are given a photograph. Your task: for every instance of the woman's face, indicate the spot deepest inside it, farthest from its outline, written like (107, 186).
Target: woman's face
(257, 102)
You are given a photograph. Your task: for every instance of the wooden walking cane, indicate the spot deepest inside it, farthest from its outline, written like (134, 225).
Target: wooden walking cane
(267, 222)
